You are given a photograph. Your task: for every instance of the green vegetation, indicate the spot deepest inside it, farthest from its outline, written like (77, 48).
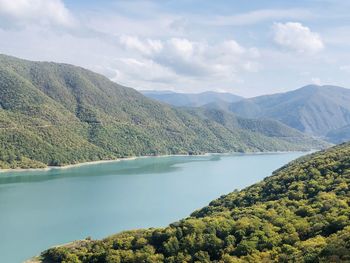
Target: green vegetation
(313, 109)
(57, 114)
(299, 214)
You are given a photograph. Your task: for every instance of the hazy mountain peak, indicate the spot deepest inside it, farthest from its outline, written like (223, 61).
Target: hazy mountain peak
(313, 109)
(192, 99)
(55, 114)
(323, 88)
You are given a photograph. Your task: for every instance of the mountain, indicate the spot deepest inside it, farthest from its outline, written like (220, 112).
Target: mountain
(339, 135)
(315, 110)
(57, 114)
(256, 127)
(191, 99)
(299, 214)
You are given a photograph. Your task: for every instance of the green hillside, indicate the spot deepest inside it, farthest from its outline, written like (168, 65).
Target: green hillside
(57, 114)
(315, 110)
(299, 214)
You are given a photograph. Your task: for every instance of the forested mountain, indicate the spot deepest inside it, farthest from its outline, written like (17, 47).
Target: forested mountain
(339, 135)
(57, 114)
(299, 214)
(191, 99)
(313, 109)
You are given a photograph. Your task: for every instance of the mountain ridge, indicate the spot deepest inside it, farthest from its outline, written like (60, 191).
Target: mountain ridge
(58, 114)
(180, 99)
(313, 109)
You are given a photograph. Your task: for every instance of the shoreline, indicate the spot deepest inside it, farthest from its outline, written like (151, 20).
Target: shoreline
(68, 166)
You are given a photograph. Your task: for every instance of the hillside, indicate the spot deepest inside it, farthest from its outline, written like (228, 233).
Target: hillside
(256, 127)
(313, 109)
(57, 114)
(299, 214)
(339, 135)
(191, 99)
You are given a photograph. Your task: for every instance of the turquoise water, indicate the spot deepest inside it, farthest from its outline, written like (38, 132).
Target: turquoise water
(42, 209)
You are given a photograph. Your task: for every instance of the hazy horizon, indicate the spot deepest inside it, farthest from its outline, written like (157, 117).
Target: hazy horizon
(245, 48)
(204, 91)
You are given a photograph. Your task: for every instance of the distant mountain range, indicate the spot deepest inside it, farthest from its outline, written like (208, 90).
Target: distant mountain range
(58, 114)
(315, 110)
(321, 111)
(191, 99)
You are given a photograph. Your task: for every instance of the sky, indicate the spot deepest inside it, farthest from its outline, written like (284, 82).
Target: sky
(248, 48)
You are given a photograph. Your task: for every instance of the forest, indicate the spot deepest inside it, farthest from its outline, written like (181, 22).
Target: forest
(299, 214)
(57, 114)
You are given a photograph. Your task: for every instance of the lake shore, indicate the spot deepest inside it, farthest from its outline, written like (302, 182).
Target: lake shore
(48, 168)
(67, 166)
(100, 200)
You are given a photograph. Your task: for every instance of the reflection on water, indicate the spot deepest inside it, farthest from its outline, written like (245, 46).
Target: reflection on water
(129, 167)
(39, 209)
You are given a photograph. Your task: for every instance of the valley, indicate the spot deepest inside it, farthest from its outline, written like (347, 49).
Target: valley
(57, 114)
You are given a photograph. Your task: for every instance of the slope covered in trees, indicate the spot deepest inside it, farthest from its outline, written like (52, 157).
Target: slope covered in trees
(299, 214)
(57, 114)
(313, 109)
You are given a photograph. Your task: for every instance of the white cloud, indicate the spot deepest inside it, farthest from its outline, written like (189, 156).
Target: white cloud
(316, 81)
(113, 23)
(43, 12)
(136, 70)
(252, 66)
(192, 59)
(345, 68)
(181, 47)
(295, 36)
(147, 47)
(232, 47)
(257, 16)
(157, 47)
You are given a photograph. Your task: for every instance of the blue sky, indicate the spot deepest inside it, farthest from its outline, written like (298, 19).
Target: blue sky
(245, 47)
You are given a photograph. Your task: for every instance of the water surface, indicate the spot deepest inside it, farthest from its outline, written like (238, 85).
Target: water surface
(39, 209)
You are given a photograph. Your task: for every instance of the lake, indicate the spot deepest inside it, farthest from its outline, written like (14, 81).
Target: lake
(40, 209)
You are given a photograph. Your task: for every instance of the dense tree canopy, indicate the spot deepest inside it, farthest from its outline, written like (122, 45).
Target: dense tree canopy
(58, 114)
(299, 214)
